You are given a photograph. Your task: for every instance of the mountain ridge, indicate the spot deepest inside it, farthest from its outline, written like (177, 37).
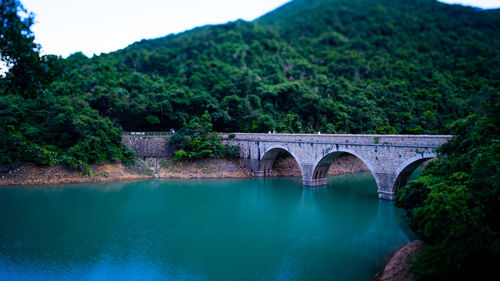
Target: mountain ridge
(333, 40)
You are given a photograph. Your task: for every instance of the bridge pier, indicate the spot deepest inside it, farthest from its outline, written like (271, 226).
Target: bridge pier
(385, 183)
(310, 177)
(386, 195)
(263, 173)
(314, 182)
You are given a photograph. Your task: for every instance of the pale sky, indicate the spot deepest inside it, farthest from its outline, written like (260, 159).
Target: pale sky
(64, 27)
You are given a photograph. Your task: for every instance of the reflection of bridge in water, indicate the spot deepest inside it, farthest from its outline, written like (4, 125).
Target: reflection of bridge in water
(390, 158)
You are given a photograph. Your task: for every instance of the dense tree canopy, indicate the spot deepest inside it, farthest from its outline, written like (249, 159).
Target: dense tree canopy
(455, 205)
(28, 73)
(376, 66)
(196, 140)
(37, 124)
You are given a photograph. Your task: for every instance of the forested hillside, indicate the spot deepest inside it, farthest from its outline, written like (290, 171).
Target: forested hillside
(335, 66)
(353, 66)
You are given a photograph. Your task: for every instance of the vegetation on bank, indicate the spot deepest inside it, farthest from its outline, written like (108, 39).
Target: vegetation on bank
(196, 140)
(335, 66)
(455, 205)
(38, 124)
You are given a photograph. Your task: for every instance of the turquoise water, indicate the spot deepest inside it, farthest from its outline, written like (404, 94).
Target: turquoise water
(230, 229)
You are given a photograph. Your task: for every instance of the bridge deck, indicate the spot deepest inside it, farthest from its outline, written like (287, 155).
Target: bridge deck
(428, 141)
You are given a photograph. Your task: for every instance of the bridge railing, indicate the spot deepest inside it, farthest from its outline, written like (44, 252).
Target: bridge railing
(343, 139)
(149, 134)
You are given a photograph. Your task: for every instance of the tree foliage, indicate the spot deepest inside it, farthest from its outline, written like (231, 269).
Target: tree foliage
(335, 66)
(36, 123)
(28, 73)
(455, 205)
(196, 140)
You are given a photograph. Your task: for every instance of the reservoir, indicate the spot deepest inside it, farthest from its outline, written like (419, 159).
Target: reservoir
(223, 229)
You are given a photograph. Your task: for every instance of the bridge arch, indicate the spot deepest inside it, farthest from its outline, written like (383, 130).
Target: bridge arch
(322, 166)
(269, 157)
(388, 183)
(405, 170)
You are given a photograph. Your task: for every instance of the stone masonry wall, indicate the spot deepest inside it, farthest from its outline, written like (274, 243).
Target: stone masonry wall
(148, 146)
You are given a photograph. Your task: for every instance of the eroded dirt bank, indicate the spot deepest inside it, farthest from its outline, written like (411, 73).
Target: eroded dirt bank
(31, 174)
(207, 168)
(397, 267)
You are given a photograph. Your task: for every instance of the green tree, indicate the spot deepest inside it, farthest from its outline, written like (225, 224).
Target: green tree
(28, 73)
(196, 140)
(36, 124)
(455, 205)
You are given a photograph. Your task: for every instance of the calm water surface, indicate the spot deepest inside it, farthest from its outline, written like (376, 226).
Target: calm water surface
(234, 229)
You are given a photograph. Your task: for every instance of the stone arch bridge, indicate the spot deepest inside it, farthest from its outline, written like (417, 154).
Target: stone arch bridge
(390, 158)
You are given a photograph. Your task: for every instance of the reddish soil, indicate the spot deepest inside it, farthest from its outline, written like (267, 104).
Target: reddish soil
(397, 267)
(31, 174)
(285, 165)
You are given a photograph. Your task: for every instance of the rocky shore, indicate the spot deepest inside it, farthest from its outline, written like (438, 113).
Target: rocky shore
(32, 174)
(207, 168)
(397, 268)
(285, 166)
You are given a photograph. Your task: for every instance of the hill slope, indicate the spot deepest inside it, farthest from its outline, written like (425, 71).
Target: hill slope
(334, 66)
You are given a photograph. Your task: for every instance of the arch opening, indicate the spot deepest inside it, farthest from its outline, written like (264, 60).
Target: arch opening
(406, 173)
(279, 162)
(336, 163)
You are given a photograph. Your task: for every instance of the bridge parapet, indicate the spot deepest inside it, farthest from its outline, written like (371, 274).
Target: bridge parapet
(352, 139)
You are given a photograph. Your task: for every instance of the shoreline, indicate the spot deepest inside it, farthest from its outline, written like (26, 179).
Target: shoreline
(99, 180)
(397, 264)
(139, 178)
(29, 174)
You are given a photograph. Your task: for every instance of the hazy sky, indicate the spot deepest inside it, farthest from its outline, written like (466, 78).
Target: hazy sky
(95, 26)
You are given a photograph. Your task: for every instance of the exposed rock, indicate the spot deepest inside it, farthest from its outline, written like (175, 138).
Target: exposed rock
(32, 174)
(286, 166)
(397, 268)
(148, 146)
(206, 168)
